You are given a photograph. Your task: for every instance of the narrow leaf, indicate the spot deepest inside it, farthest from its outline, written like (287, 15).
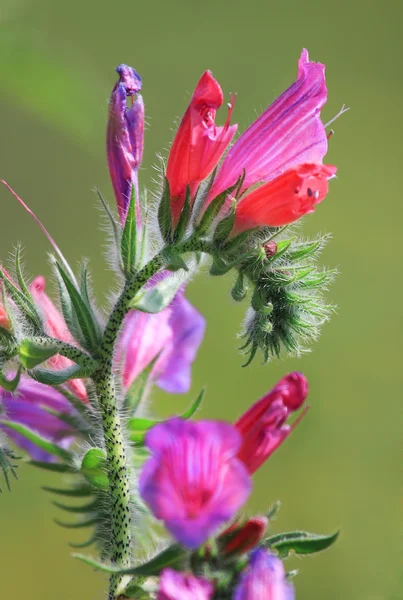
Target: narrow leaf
(25, 305)
(10, 384)
(137, 389)
(195, 406)
(213, 210)
(54, 378)
(184, 217)
(36, 439)
(300, 542)
(79, 525)
(164, 213)
(128, 244)
(32, 354)
(54, 467)
(225, 226)
(77, 509)
(155, 299)
(76, 492)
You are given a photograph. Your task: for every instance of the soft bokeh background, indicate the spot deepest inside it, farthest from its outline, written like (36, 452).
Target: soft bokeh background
(340, 467)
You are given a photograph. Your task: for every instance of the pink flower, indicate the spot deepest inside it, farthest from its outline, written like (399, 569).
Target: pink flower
(194, 481)
(264, 579)
(4, 320)
(183, 586)
(56, 327)
(263, 426)
(199, 143)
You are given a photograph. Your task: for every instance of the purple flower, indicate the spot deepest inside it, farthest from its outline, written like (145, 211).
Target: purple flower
(172, 337)
(125, 138)
(264, 579)
(183, 586)
(194, 481)
(27, 406)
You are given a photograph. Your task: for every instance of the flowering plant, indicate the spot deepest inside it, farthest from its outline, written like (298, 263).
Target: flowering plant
(74, 380)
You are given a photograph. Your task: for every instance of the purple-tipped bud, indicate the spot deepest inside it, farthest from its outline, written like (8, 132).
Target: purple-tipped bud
(264, 578)
(185, 586)
(125, 137)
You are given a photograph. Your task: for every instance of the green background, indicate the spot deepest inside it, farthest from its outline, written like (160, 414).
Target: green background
(339, 469)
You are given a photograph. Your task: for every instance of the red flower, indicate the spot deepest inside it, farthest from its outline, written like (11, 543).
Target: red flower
(239, 539)
(199, 143)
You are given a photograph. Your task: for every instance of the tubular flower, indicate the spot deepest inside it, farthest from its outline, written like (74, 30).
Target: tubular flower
(28, 407)
(56, 327)
(240, 538)
(264, 579)
(174, 585)
(125, 138)
(194, 481)
(199, 143)
(171, 338)
(263, 427)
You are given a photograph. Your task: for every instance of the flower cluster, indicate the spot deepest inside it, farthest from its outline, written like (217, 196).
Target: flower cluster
(74, 379)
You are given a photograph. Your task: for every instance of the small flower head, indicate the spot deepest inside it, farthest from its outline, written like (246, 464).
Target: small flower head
(263, 426)
(194, 481)
(199, 143)
(264, 578)
(125, 137)
(183, 586)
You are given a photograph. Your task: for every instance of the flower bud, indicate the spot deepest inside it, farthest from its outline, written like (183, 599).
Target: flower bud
(240, 539)
(270, 249)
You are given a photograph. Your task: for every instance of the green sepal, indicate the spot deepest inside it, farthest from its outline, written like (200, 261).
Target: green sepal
(175, 261)
(137, 389)
(128, 245)
(36, 439)
(300, 542)
(32, 354)
(164, 213)
(94, 469)
(75, 492)
(133, 590)
(188, 414)
(225, 226)
(184, 217)
(174, 557)
(155, 299)
(214, 208)
(240, 289)
(6, 466)
(273, 510)
(83, 313)
(54, 378)
(10, 384)
(24, 303)
(306, 249)
(54, 467)
(20, 277)
(220, 267)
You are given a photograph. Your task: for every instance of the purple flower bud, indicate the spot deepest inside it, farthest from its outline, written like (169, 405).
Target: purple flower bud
(125, 138)
(174, 585)
(264, 578)
(194, 481)
(27, 407)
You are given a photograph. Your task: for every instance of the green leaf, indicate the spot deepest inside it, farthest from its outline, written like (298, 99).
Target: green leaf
(164, 213)
(138, 428)
(175, 261)
(54, 467)
(184, 217)
(117, 231)
(133, 590)
(300, 542)
(225, 226)
(10, 384)
(6, 466)
(240, 289)
(83, 312)
(36, 439)
(77, 509)
(128, 246)
(155, 299)
(214, 208)
(94, 469)
(79, 525)
(75, 492)
(23, 302)
(54, 378)
(137, 389)
(21, 281)
(68, 311)
(173, 557)
(32, 354)
(304, 250)
(195, 406)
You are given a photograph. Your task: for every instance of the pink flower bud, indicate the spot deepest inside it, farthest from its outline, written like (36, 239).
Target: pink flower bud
(239, 539)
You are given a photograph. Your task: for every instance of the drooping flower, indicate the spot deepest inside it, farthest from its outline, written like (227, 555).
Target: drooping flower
(125, 138)
(263, 426)
(56, 327)
(199, 143)
(28, 407)
(289, 140)
(194, 481)
(183, 586)
(264, 579)
(171, 338)
(240, 538)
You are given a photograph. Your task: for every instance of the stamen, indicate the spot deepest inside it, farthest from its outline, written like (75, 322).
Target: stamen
(341, 112)
(329, 135)
(316, 194)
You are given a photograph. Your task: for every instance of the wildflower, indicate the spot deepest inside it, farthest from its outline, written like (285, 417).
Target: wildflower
(171, 338)
(240, 538)
(263, 426)
(28, 407)
(125, 138)
(194, 481)
(199, 143)
(264, 578)
(174, 585)
(4, 319)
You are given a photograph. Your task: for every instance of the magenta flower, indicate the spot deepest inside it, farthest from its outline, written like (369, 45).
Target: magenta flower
(194, 481)
(263, 426)
(183, 586)
(172, 336)
(27, 407)
(125, 138)
(264, 579)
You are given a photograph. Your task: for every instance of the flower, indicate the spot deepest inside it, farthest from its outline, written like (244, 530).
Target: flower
(289, 140)
(28, 407)
(263, 427)
(240, 538)
(171, 338)
(55, 326)
(125, 138)
(264, 578)
(199, 143)
(4, 319)
(174, 585)
(194, 481)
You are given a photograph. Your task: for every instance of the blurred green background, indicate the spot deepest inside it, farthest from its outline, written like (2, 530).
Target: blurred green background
(340, 467)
